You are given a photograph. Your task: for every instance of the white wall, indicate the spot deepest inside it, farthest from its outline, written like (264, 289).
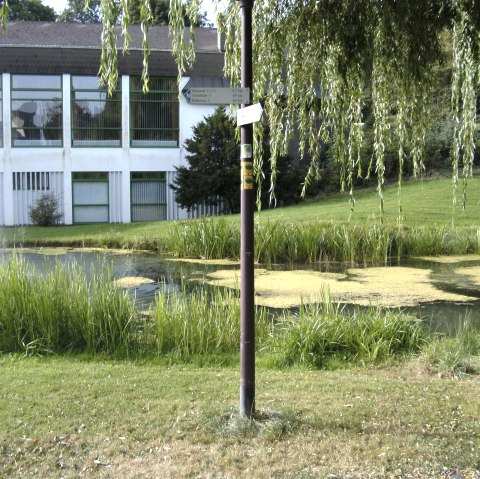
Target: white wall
(66, 159)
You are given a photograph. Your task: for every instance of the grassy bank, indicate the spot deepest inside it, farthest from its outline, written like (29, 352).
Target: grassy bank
(67, 418)
(425, 205)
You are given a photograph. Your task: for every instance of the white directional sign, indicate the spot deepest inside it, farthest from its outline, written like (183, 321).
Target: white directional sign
(216, 96)
(249, 114)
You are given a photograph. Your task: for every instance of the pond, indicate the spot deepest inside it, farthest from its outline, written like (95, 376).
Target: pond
(442, 291)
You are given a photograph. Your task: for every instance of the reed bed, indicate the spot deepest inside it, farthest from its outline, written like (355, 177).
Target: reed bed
(282, 242)
(61, 311)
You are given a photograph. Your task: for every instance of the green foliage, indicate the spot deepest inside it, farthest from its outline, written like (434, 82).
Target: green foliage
(46, 212)
(314, 60)
(27, 10)
(203, 322)
(76, 11)
(454, 355)
(281, 241)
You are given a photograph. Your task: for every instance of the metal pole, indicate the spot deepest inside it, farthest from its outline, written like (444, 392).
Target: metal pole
(247, 202)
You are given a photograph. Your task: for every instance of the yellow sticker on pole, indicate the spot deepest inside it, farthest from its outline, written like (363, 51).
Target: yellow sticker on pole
(246, 175)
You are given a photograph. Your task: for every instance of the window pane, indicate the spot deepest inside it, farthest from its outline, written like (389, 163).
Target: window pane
(37, 114)
(90, 193)
(96, 117)
(154, 115)
(90, 214)
(37, 82)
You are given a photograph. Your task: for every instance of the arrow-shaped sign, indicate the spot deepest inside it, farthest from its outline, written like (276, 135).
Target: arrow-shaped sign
(249, 114)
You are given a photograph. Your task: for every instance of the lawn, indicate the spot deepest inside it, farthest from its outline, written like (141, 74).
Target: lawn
(68, 418)
(424, 203)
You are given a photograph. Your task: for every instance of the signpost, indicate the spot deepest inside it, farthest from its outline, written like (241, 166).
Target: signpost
(247, 203)
(216, 96)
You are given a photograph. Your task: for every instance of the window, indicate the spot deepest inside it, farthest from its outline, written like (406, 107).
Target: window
(96, 117)
(1, 112)
(31, 181)
(37, 110)
(154, 115)
(148, 196)
(90, 197)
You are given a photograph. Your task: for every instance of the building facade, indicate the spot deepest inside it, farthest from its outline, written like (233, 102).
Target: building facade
(107, 158)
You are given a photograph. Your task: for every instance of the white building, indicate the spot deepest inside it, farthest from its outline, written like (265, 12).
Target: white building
(108, 159)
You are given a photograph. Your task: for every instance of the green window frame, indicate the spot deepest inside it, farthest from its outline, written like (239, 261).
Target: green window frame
(148, 193)
(90, 197)
(154, 116)
(96, 116)
(37, 110)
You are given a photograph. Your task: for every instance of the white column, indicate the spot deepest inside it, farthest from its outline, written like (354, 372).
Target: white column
(7, 150)
(67, 151)
(126, 167)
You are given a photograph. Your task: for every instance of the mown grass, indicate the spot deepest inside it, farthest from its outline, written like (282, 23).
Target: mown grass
(63, 417)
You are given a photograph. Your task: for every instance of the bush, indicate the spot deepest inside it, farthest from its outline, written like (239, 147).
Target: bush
(46, 212)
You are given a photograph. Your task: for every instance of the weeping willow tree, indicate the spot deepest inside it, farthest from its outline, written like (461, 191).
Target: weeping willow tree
(317, 62)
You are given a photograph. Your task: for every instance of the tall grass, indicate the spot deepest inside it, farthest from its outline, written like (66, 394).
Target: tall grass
(277, 241)
(321, 334)
(209, 238)
(203, 322)
(61, 311)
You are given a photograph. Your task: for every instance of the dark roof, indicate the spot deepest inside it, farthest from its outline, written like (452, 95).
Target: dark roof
(60, 47)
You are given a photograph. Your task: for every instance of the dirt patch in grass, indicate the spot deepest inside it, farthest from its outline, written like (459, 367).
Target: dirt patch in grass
(388, 287)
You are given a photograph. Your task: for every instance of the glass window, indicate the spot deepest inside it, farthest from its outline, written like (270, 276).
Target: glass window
(154, 115)
(148, 196)
(96, 117)
(37, 112)
(90, 197)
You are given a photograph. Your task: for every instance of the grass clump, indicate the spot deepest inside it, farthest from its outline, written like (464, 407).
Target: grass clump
(454, 355)
(208, 238)
(321, 335)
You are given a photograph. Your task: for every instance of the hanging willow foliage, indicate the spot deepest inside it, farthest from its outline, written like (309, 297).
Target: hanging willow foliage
(318, 63)
(313, 61)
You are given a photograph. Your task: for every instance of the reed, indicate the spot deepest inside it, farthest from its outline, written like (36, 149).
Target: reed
(61, 311)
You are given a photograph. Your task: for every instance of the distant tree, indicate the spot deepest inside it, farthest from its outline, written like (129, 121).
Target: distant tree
(76, 12)
(29, 10)
(213, 174)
